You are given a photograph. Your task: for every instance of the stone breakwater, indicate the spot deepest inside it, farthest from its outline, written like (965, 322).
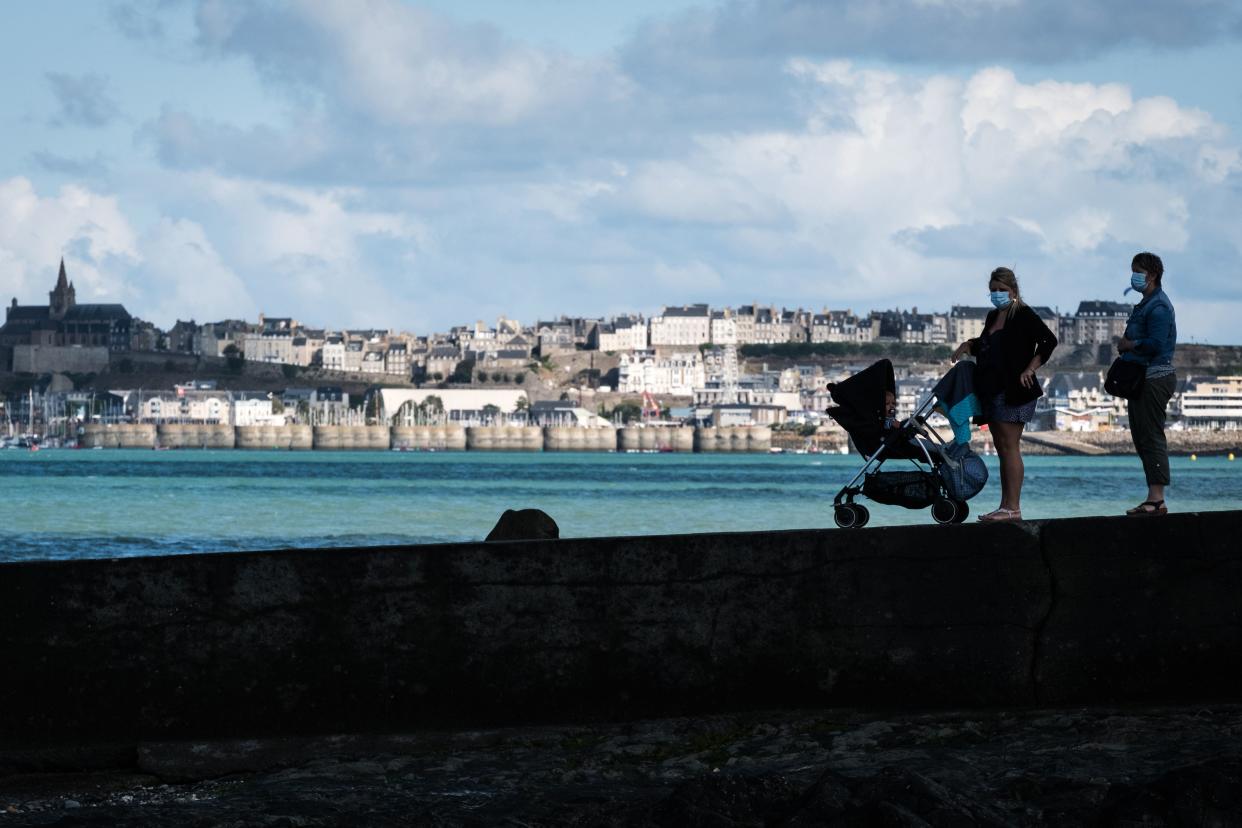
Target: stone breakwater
(992, 767)
(310, 641)
(451, 437)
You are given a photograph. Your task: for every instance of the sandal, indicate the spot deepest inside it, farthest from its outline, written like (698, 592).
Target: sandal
(1001, 515)
(1157, 508)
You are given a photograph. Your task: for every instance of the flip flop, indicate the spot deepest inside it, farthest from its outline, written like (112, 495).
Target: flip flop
(1157, 508)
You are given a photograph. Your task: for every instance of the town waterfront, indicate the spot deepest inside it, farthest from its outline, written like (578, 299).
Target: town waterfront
(78, 504)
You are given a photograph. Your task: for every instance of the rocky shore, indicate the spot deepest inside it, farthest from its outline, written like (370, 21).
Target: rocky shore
(1095, 766)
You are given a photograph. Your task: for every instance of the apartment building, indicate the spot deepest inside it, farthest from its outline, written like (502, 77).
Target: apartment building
(681, 326)
(675, 374)
(723, 327)
(1098, 323)
(1212, 403)
(624, 333)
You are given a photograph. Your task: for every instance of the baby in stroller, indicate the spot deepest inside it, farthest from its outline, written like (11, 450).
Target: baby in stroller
(943, 475)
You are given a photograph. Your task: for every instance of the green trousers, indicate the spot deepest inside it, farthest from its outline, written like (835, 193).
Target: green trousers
(1147, 427)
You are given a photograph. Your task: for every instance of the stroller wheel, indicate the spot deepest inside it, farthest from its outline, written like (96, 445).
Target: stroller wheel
(963, 511)
(944, 510)
(864, 515)
(847, 516)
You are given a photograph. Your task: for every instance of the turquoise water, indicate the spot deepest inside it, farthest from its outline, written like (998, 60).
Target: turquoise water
(69, 504)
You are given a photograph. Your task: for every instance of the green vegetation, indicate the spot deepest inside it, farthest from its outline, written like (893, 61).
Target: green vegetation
(235, 359)
(463, 371)
(627, 412)
(892, 350)
(289, 371)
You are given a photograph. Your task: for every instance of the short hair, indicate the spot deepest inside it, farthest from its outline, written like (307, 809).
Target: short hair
(1150, 264)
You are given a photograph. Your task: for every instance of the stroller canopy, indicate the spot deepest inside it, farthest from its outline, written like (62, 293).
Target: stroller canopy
(860, 404)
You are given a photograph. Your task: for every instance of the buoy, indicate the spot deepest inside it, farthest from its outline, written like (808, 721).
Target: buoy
(1194, 457)
(1231, 457)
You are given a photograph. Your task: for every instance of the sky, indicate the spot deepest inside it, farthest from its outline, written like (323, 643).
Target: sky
(418, 165)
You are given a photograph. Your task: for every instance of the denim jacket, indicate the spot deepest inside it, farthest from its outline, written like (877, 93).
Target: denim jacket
(1153, 330)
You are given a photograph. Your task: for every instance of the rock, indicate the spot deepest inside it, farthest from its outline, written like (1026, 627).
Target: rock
(524, 524)
(719, 800)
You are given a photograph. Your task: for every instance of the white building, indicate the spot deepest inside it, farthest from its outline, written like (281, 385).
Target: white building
(333, 354)
(686, 326)
(675, 374)
(723, 328)
(623, 334)
(251, 410)
(1214, 403)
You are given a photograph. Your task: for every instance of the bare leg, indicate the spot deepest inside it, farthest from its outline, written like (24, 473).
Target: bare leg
(1008, 437)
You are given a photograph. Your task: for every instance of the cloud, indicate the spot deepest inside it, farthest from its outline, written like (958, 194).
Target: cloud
(933, 31)
(83, 167)
(399, 64)
(36, 230)
(82, 100)
(138, 20)
(182, 276)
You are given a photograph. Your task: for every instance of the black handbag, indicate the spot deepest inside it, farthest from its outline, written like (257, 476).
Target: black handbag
(1125, 378)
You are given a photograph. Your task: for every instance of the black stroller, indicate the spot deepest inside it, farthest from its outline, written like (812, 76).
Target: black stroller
(943, 475)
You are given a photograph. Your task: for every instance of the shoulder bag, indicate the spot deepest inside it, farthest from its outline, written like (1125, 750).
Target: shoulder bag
(1125, 378)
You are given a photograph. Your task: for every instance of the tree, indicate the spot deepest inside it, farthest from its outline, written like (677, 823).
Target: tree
(235, 358)
(520, 378)
(522, 405)
(490, 411)
(482, 375)
(289, 371)
(438, 376)
(433, 404)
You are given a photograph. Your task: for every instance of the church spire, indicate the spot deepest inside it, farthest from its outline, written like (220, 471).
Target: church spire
(63, 297)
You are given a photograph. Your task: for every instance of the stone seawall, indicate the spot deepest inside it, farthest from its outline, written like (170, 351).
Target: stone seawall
(450, 437)
(1079, 611)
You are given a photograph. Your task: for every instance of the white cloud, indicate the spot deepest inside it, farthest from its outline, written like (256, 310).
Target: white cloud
(182, 277)
(88, 229)
(400, 64)
(1081, 170)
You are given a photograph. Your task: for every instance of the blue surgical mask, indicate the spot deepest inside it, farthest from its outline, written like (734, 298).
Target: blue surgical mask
(1001, 299)
(1138, 281)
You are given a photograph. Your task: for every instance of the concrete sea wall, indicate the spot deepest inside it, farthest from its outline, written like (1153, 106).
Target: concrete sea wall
(733, 439)
(450, 437)
(427, 438)
(1080, 611)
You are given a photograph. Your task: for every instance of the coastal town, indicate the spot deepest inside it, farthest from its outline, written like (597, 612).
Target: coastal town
(66, 365)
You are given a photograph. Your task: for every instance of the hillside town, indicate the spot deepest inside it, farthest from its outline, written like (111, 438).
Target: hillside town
(725, 366)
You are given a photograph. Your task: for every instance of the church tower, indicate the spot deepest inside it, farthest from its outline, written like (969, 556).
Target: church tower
(63, 297)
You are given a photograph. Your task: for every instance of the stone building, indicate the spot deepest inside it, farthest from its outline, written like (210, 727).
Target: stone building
(64, 322)
(1098, 322)
(681, 326)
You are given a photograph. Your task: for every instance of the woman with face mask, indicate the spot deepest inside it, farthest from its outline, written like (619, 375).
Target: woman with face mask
(1150, 339)
(1014, 342)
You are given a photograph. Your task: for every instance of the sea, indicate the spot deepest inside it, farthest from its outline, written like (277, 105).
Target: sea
(58, 504)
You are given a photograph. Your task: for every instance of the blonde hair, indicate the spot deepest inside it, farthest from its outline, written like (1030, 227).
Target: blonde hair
(1007, 278)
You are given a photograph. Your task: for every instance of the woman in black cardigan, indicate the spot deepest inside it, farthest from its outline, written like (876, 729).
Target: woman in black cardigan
(1014, 342)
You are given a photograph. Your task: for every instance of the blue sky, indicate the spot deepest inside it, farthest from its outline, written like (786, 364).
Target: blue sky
(421, 164)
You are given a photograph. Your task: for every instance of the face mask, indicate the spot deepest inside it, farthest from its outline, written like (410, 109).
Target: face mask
(1138, 281)
(1001, 299)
